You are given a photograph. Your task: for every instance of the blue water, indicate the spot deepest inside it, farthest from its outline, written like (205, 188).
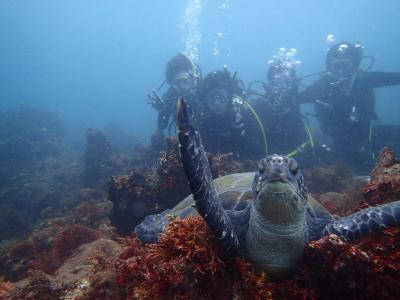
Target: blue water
(94, 61)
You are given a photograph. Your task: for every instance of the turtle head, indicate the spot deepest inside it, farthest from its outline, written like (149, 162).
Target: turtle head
(280, 196)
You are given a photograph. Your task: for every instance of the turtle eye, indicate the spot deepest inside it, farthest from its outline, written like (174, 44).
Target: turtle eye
(293, 166)
(261, 166)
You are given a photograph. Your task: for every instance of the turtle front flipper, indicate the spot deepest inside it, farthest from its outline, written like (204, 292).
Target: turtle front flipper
(197, 169)
(368, 220)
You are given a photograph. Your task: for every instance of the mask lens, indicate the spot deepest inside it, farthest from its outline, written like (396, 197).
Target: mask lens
(218, 100)
(342, 66)
(184, 82)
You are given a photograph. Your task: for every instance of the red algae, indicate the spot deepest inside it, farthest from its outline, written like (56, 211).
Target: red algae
(65, 242)
(5, 288)
(186, 264)
(385, 180)
(189, 264)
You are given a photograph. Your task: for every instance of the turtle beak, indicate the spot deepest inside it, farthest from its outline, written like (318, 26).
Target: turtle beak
(184, 115)
(277, 170)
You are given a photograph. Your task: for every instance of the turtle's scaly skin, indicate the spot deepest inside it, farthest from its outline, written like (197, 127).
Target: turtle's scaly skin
(197, 169)
(272, 228)
(368, 220)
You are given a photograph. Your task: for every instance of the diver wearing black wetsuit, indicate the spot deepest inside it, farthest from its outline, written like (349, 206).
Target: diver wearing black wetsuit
(215, 99)
(279, 110)
(345, 103)
(183, 77)
(220, 114)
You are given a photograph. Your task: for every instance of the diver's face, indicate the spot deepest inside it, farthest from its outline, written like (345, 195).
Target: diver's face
(280, 193)
(282, 81)
(184, 83)
(341, 67)
(218, 101)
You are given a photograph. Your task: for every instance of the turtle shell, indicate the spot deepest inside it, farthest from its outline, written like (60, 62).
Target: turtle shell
(234, 191)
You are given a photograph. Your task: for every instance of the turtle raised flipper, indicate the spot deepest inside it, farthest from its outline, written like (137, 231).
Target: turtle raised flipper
(368, 220)
(197, 169)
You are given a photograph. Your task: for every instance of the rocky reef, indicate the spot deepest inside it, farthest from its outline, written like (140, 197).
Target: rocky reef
(335, 187)
(55, 239)
(101, 161)
(41, 177)
(385, 179)
(148, 192)
(37, 171)
(79, 256)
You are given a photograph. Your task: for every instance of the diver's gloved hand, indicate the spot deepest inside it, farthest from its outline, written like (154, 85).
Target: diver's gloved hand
(238, 121)
(155, 100)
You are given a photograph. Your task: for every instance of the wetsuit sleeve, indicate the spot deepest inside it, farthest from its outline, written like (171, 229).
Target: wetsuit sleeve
(381, 79)
(311, 93)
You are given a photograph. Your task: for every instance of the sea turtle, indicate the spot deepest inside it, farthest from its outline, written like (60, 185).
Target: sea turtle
(265, 216)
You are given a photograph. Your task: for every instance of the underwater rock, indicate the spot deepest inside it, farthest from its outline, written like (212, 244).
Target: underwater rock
(32, 195)
(332, 201)
(225, 164)
(172, 182)
(101, 161)
(366, 269)
(341, 204)
(82, 276)
(36, 169)
(55, 239)
(93, 214)
(38, 286)
(119, 139)
(332, 178)
(136, 195)
(384, 185)
(133, 197)
(28, 135)
(48, 255)
(337, 269)
(5, 289)
(159, 188)
(82, 272)
(98, 149)
(11, 222)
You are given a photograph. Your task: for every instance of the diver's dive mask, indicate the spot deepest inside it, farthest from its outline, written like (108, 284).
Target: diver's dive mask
(283, 81)
(184, 83)
(218, 100)
(343, 67)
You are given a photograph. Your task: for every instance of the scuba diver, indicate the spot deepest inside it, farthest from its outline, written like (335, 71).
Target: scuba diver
(220, 114)
(344, 102)
(286, 129)
(183, 77)
(216, 101)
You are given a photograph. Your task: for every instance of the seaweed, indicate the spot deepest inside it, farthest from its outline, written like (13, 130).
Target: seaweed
(186, 264)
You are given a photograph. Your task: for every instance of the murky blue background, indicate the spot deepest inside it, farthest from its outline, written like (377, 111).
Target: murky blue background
(94, 61)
